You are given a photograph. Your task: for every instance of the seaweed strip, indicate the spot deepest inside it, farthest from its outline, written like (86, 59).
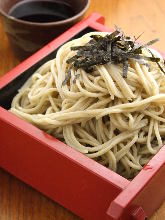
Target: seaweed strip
(114, 48)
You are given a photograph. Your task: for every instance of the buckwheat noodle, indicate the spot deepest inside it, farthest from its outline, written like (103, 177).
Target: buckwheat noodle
(119, 122)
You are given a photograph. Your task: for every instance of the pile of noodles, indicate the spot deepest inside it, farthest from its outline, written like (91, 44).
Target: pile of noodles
(119, 122)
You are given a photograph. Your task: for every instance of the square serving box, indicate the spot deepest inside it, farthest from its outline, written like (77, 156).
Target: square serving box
(80, 184)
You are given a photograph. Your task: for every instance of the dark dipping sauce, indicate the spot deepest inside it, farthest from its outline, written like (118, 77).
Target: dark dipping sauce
(41, 11)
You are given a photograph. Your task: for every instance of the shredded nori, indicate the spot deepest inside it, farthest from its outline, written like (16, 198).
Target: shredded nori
(114, 48)
(67, 77)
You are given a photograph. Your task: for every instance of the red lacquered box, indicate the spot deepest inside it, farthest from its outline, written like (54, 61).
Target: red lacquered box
(78, 183)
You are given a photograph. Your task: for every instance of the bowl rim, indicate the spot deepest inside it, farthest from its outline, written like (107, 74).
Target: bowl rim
(46, 24)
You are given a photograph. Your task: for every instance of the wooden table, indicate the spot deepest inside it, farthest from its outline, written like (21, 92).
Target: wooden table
(17, 200)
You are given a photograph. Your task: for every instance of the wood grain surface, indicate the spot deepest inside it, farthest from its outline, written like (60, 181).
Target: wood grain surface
(17, 200)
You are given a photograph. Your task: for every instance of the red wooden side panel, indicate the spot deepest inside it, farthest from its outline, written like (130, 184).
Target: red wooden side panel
(146, 190)
(58, 171)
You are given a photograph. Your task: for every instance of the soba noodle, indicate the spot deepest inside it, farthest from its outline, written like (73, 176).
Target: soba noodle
(119, 122)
